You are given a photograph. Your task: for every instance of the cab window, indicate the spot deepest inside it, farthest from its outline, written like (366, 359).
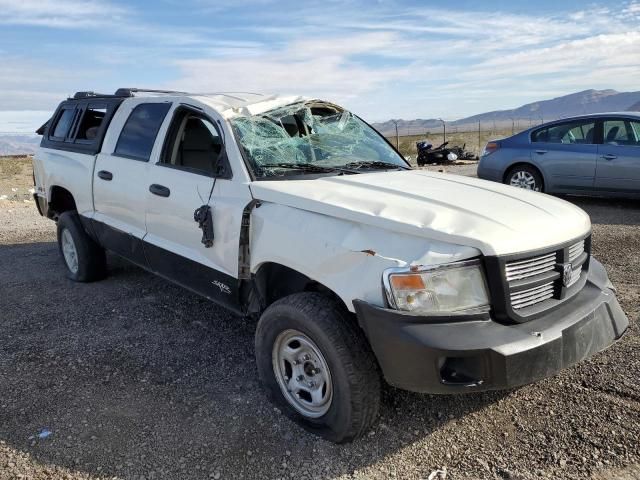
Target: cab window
(63, 125)
(194, 145)
(139, 132)
(91, 122)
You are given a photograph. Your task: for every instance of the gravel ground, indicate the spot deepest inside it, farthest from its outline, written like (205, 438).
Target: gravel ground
(136, 378)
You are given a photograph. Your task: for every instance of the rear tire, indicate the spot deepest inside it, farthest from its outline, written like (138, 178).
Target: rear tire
(525, 176)
(84, 259)
(317, 332)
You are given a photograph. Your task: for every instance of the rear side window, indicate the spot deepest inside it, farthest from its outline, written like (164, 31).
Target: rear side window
(139, 132)
(91, 122)
(576, 132)
(63, 125)
(621, 132)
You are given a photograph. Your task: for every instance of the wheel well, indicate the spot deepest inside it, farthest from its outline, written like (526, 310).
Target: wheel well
(274, 281)
(61, 201)
(520, 164)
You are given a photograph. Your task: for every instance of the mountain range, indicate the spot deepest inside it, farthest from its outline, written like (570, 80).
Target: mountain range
(18, 144)
(585, 102)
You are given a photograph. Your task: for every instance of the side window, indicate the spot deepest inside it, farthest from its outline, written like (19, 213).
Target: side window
(90, 123)
(621, 132)
(580, 132)
(63, 125)
(140, 130)
(194, 145)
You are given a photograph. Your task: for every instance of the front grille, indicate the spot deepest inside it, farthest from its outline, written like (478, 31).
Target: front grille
(535, 283)
(520, 269)
(531, 296)
(576, 250)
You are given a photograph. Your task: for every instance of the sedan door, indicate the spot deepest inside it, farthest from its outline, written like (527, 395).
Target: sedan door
(618, 168)
(566, 154)
(193, 172)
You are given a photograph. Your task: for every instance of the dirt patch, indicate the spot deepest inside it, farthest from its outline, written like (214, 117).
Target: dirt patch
(16, 178)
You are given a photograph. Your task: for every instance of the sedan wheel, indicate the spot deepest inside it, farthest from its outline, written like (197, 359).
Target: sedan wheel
(525, 178)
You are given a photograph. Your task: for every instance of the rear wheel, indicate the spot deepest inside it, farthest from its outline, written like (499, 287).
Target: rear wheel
(317, 366)
(525, 176)
(85, 259)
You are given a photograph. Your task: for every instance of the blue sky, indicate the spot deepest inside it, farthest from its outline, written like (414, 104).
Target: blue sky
(382, 59)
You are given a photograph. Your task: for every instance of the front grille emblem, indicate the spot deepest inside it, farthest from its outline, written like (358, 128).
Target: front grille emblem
(567, 274)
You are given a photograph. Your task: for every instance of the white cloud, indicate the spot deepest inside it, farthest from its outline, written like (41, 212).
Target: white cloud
(59, 13)
(306, 67)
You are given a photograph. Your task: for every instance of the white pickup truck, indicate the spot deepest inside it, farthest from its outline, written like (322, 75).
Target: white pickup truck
(297, 212)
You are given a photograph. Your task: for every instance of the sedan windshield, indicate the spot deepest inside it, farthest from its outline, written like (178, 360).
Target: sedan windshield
(312, 137)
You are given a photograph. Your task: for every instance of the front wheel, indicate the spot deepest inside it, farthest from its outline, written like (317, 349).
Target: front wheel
(525, 176)
(317, 366)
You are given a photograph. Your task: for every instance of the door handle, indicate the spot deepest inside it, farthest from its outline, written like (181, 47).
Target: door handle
(541, 152)
(609, 156)
(104, 175)
(159, 190)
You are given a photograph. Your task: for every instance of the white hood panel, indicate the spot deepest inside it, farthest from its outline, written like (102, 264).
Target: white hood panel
(496, 219)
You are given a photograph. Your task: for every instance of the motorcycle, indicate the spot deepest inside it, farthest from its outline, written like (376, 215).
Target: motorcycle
(427, 154)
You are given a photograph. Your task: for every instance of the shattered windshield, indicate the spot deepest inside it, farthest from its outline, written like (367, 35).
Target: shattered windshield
(312, 137)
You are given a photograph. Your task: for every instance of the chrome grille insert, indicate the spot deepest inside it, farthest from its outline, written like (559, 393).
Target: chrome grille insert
(576, 250)
(545, 277)
(531, 296)
(530, 267)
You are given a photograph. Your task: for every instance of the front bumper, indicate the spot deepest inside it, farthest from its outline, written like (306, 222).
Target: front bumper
(448, 354)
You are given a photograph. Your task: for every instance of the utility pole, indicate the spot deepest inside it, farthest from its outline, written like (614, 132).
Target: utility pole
(479, 140)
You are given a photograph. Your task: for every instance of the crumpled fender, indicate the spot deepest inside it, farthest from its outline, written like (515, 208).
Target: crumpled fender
(344, 256)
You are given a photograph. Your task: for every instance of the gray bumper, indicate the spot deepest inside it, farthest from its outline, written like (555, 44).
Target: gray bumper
(474, 353)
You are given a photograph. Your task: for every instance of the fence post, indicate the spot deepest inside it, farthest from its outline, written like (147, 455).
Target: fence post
(397, 137)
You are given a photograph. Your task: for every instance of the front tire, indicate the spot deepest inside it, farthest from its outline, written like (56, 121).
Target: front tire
(316, 365)
(525, 176)
(85, 259)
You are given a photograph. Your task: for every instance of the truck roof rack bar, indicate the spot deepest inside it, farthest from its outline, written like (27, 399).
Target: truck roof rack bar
(128, 92)
(89, 94)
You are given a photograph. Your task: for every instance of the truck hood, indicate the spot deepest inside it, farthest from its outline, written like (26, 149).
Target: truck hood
(494, 218)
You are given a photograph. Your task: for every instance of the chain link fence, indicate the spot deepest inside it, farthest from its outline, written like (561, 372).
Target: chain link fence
(472, 137)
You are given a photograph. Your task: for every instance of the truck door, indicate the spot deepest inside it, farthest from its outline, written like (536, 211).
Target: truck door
(193, 171)
(618, 168)
(120, 177)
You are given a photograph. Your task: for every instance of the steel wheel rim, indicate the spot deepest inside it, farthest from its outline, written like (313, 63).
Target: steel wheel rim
(302, 373)
(69, 251)
(523, 179)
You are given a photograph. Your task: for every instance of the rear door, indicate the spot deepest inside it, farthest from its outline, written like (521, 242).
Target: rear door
(120, 176)
(566, 153)
(193, 171)
(618, 168)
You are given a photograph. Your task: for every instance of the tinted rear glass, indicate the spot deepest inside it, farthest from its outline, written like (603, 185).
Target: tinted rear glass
(64, 123)
(140, 131)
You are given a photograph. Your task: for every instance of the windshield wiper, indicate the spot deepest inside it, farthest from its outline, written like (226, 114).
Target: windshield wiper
(374, 164)
(305, 167)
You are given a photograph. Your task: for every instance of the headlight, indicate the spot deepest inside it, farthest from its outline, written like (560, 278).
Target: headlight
(453, 287)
